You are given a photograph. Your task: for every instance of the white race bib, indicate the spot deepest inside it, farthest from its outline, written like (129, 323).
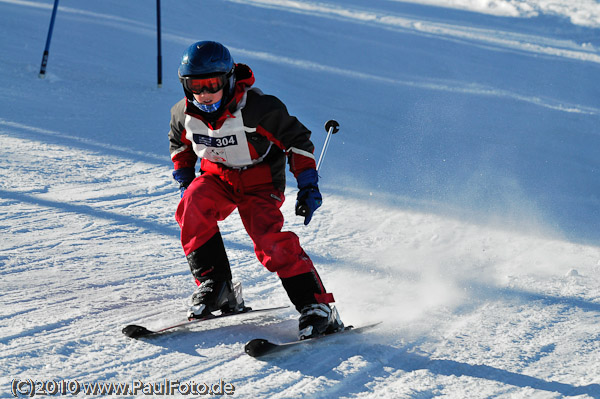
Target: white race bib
(227, 145)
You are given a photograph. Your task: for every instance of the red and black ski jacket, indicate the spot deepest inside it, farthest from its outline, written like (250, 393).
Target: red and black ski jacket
(250, 139)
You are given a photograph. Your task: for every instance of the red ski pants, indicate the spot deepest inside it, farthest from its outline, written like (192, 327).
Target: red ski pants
(209, 199)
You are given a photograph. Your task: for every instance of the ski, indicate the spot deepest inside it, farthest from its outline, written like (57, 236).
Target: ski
(261, 347)
(137, 331)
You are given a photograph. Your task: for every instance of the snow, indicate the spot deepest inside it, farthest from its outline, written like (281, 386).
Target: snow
(581, 12)
(461, 196)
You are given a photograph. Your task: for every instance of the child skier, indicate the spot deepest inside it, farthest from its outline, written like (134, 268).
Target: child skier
(243, 138)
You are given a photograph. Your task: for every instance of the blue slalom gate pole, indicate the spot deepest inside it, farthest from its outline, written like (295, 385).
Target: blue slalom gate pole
(47, 49)
(158, 46)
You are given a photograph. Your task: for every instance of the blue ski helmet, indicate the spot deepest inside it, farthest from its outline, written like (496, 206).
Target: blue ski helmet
(204, 59)
(207, 59)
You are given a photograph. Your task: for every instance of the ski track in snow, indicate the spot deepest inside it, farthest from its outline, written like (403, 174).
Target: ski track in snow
(384, 19)
(469, 310)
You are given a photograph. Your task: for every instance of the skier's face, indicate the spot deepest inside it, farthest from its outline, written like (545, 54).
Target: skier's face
(209, 98)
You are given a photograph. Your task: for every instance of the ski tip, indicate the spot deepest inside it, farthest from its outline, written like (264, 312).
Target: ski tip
(259, 347)
(135, 331)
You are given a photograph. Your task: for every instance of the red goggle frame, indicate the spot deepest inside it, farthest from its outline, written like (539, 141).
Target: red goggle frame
(199, 85)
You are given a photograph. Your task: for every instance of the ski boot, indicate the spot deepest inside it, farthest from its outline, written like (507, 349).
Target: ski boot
(212, 296)
(318, 319)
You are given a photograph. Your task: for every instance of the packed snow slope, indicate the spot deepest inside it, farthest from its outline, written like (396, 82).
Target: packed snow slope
(461, 196)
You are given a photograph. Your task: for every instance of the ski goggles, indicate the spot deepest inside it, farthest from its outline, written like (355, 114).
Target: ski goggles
(211, 85)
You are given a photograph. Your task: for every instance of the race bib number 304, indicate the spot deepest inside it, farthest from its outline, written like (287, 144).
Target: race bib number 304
(217, 142)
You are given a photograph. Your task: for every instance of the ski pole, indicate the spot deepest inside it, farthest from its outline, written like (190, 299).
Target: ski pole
(331, 126)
